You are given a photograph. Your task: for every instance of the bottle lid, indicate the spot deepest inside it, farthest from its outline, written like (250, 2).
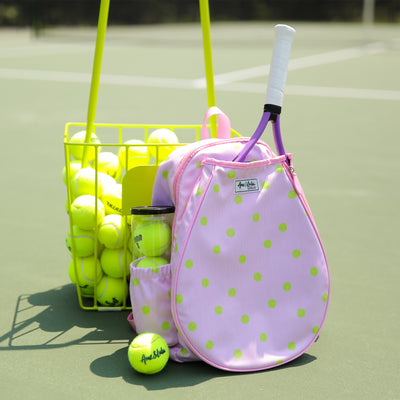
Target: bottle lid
(152, 210)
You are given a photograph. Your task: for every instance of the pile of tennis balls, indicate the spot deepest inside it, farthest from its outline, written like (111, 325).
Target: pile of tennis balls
(108, 261)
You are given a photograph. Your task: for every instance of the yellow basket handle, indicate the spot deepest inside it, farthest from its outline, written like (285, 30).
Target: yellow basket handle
(205, 25)
(98, 55)
(94, 87)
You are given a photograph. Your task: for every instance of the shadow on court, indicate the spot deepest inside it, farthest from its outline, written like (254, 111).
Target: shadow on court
(174, 374)
(51, 320)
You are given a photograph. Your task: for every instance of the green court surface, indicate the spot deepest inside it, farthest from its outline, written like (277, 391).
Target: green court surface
(341, 122)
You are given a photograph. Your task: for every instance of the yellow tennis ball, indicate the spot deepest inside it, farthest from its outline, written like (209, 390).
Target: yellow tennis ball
(111, 292)
(77, 151)
(152, 238)
(84, 182)
(137, 154)
(83, 212)
(83, 241)
(115, 262)
(112, 231)
(152, 262)
(74, 167)
(106, 181)
(148, 353)
(162, 136)
(112, 199)
(89, 272)
(108, 163)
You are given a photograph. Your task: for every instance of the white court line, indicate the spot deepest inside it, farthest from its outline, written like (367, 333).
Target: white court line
(40, 75)
(146, 81)
(349, 93)
(242, 87)
(229, 81)
(316, 91)
(298, 63)
(108, 79)
(38, 50)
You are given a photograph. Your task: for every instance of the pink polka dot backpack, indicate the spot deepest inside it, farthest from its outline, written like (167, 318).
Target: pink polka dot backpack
(248, 284)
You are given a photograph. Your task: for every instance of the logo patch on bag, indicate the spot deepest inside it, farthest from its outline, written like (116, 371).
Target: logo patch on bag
(248, 185)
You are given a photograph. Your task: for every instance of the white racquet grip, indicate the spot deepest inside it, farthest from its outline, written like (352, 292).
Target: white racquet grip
(284, 35)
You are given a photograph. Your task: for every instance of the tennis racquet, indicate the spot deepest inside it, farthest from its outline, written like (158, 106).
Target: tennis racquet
(284, 35)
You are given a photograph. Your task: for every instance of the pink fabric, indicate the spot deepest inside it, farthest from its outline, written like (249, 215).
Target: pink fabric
(224, 124)
(248, 284)
(150, 291)
(150, 297)
(131, 321)
(266, 283)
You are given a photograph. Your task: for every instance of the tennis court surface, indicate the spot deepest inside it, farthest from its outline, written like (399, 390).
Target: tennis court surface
(340, 120)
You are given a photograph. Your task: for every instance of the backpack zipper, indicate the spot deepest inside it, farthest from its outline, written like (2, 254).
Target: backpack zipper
(186, 159)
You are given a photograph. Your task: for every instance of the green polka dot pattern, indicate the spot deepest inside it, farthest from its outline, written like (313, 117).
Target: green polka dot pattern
(243, 262)
(189, 264)
(146, 310)
(238, 199)
(204, 221)
(230, 232)
(165, 326)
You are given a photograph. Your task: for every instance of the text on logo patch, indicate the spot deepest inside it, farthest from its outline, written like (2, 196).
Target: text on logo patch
(248, 185)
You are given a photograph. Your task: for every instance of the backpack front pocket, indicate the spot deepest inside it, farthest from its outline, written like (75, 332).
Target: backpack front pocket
(150, 291)
(250, 286)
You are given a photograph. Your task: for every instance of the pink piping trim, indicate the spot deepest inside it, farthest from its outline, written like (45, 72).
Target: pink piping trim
(186, 159)
(174, 288)
(244, 165)
(178, 268)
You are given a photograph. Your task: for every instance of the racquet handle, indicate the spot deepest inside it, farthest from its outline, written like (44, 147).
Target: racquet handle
(284, 35)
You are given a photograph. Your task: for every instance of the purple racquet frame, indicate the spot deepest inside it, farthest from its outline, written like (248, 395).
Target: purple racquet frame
(274, 97)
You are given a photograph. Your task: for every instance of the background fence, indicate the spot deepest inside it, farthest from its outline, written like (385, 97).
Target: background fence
(84, 12)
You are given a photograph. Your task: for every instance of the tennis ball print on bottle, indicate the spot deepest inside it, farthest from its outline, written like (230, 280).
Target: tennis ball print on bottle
(279, 275)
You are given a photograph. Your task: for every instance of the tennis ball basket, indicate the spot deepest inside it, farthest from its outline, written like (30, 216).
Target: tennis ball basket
(109, 169)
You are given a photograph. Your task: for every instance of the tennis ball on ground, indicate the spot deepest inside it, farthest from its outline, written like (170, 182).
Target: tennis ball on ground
(74, 167)
(148, 353)
(83, 240)
(111, 292)
(77, 151)
(112, 231)
(137, 154)
(162, 136)
(152, 262)
(89, 272)
(115, 261)
(152, 238)
(83, 212)
(84, 182)
(108, 163)
(112, 199)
